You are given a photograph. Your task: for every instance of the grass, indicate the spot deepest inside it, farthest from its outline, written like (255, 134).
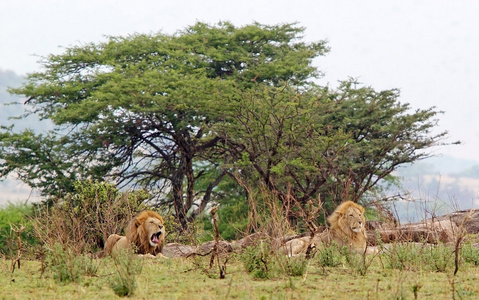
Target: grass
(187, 279)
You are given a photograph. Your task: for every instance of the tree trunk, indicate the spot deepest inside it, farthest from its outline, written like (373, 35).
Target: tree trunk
(177, 186)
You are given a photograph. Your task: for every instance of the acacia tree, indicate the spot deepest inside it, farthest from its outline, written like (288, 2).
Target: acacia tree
(140, 109)
(305, 142)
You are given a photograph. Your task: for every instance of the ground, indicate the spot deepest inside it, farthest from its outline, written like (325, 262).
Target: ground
(192, 278)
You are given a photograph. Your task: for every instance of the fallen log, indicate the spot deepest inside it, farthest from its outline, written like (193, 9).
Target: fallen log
(431, 231)
(468, 219)
(442, 229)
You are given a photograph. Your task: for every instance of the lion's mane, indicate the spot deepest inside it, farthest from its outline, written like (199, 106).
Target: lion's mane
(341, 229)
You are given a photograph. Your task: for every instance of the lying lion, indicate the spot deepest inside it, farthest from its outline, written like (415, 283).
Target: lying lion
(145, 234)
(346, 229)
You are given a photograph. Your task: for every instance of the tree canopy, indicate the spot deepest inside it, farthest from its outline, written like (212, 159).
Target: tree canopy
(166, 112)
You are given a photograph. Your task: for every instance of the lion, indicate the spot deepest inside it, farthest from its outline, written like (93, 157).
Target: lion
(145, 233)
(347, 228)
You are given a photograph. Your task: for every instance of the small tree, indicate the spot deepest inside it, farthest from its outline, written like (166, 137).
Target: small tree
(305, 142)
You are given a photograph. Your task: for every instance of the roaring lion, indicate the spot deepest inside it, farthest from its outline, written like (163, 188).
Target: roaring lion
(346, 229)
(145, 233)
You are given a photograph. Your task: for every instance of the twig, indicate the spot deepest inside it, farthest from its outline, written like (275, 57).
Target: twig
(214, 252)
(459, 238)
(18, 231)
(310, 214)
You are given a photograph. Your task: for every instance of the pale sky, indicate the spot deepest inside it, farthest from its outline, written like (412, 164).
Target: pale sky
(427, 49)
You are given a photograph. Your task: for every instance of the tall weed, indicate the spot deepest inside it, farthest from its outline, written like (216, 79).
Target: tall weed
(402, 256)
(292, 266)
(470, 254)
(437, 258)
(329, 256)
(12, 216)
(258, 261)
(65, 266)
(127, 267)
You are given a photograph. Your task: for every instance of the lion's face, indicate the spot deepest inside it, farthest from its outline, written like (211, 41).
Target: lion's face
(155, 230)
(355, 219)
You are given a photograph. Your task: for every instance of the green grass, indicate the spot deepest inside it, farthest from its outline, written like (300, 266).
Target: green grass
(191, 279)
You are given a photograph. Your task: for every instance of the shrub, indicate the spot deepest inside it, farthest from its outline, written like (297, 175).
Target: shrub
(66, 266)
(127, 267)
(437, 257)
(329, 256)
(175, 233)
(411, 256)
(470, 254)
(292, 266)
(402, 256)
(258, 260)
(83, 221)
(358, 262)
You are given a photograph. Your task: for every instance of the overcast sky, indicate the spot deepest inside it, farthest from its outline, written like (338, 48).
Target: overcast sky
(427, 49)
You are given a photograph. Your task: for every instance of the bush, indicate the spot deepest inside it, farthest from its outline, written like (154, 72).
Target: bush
(411, 256)
(175, 233)
(403, 256)
(258, 261)
(470, 254)
(358, 262)
(66, 266)
(127, 267)
(82, 222)
(329, 256)
(293, 266)
(437, 257)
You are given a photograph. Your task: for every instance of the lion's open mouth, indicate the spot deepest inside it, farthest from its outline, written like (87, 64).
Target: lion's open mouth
(155, 238)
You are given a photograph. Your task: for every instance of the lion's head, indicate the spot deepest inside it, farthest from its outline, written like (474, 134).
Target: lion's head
(147, 232)
(347, 224)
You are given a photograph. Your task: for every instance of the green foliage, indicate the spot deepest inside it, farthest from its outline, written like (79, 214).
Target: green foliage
(16, 215)
(358, 262)
(66, 266)
(141, 107)
(329, 256)
(262, 262)
(292, 266)
(179, 113)
(127, 268)
(411, 256)
(258, 261)
(233, 220)
(102, 209)
(38, 160)
(470, 254)
(305, 142)
(175, 233)
(438, 258)
(403, 256)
